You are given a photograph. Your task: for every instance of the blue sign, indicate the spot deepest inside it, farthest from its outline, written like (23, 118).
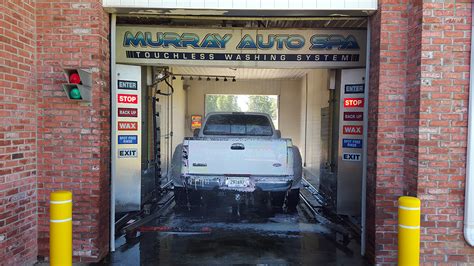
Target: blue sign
(127, 139)
(354, 88)
(352, 143)
(127, 85)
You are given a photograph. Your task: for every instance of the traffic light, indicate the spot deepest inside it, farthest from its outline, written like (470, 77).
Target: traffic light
(79, 84)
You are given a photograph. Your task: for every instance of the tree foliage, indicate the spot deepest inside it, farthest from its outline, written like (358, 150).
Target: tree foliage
(263, 104)
(222, 103)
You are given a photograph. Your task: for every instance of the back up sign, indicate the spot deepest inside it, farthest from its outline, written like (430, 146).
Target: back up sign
(127, 112)
(276, 48)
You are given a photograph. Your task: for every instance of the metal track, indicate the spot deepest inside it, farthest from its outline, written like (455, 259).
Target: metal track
(323, 220)
(340, 224)
(166, 203)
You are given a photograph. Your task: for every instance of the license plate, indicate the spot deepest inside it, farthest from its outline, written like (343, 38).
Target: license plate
(237, 182)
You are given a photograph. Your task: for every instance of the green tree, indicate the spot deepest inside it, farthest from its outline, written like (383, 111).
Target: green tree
(263, 104)
(222, 103)
(211, 103)
(228, 103)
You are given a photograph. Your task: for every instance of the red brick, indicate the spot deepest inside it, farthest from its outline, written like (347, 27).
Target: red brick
(17, 168)
(433, 167)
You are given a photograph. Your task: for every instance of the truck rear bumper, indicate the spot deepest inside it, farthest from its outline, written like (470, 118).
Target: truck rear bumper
(249, 184)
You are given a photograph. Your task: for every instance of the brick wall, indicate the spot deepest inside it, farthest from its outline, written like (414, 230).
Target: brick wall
(18, 227)
(74, 138)
(387, 122)
(417, 125)
(443, 130)
(372, 135)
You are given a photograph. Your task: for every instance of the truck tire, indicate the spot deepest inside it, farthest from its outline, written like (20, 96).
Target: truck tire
(180, 197)
(292, 200)
(277, 199)
(297, 168)
(176, 164)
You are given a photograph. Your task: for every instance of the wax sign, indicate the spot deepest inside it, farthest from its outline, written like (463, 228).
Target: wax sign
(353, 102)
(127, 126)
(352, 130)
(127, 98)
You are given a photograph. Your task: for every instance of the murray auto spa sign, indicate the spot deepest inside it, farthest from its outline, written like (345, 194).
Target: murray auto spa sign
(276, 48)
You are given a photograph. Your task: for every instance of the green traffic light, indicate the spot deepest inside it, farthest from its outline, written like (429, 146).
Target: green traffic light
(75, 94)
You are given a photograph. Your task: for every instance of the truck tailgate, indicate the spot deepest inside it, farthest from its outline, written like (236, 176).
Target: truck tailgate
(238, 157)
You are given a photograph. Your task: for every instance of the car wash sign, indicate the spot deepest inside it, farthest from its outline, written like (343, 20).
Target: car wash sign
(241, 47)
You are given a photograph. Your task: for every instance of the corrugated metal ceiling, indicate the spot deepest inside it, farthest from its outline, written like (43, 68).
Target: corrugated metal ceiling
(241, 73)
(314, 23)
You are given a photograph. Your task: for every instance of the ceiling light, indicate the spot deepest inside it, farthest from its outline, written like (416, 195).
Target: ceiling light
(199, 78)
(217, 79)
(174, 77)
(182, 77)
(208, 78)
(225, 79)
(191, 78)
(233, 80)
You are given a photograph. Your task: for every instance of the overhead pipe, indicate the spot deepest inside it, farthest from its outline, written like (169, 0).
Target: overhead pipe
(469, 196)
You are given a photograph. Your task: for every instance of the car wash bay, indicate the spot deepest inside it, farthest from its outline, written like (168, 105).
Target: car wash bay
(160, 96)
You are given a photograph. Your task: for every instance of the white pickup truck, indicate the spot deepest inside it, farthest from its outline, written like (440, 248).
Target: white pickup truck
(239, 154)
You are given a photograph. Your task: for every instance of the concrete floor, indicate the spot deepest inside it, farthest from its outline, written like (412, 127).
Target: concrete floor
(217, 237)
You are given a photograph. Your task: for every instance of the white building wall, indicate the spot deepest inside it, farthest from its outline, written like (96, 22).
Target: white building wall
(317, 97)
(178, 114)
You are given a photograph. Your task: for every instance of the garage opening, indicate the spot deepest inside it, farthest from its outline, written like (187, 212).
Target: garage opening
(267, 104)
(315, 112)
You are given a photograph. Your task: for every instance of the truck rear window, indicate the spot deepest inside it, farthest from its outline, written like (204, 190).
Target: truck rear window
(238, 125)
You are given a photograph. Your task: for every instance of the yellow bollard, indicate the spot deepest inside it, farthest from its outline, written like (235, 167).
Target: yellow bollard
(408, 231)
(60, 228)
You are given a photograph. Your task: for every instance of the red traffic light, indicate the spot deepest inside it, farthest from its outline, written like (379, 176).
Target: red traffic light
(74, 78)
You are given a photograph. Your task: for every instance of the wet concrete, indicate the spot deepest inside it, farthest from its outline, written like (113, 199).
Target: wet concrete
(217, 237)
